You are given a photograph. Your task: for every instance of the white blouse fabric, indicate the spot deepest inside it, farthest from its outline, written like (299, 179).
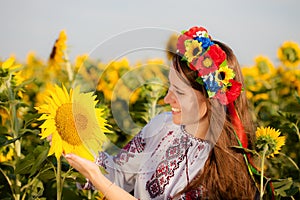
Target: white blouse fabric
(158, 162)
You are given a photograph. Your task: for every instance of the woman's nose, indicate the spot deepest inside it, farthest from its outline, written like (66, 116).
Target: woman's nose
(168, 98)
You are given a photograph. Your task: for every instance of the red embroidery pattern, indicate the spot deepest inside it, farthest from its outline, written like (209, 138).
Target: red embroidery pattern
(102, 160)
(165, 170)
(197, 194)
(158, 146)
(199, 148)
(136, 145)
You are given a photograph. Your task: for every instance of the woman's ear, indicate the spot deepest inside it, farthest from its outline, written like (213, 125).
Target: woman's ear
(202, 109)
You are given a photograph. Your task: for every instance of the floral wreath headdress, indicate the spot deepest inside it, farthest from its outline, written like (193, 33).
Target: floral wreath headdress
(196, 47)
(209, 60)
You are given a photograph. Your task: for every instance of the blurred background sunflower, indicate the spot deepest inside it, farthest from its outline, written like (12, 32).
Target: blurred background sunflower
(289, 54)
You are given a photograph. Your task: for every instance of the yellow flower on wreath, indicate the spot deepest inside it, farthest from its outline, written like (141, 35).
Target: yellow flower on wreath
(193, 50)
(289, 54)
(72, 122)
(270, 137)
(225, 74)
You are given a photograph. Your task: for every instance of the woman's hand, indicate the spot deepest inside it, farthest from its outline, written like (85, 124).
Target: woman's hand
(86, 167)
(92, 172)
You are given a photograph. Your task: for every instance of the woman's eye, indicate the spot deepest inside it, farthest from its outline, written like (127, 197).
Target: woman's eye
(180, 93)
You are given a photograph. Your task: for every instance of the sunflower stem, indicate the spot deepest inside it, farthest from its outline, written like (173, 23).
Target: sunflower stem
(262, 172)
(89, 194)
(291, 160)
(15, 132)
(297, 130)
(58, 179)
(69, 68)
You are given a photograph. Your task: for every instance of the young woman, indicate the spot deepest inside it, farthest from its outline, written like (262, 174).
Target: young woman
(187, 153)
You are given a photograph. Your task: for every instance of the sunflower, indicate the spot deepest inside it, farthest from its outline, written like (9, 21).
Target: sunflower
(19, 78)
(72, 122)
(7, 152)
(79, 62)
(289, 54)
(60, 47)
(58, 54)
(225, 74)
(4, 116)
(265, 67)
(110, 77)
(10, 65)
(266, 136)
(193, 50)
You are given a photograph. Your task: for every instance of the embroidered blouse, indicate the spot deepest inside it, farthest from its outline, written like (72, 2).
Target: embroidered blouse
(158, 162)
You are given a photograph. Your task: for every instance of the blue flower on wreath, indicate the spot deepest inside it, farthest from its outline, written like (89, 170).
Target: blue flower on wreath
(211, 84)
(206, 42)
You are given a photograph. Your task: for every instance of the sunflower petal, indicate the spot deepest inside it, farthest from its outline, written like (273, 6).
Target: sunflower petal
(8, 63)
(57, 142)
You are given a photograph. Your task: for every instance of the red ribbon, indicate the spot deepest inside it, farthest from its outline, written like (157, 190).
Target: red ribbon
(237, 124)
(239, 129)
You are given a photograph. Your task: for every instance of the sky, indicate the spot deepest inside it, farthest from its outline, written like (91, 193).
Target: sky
(139, 29)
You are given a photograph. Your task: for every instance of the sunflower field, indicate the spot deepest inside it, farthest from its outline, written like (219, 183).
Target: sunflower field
(47, 106)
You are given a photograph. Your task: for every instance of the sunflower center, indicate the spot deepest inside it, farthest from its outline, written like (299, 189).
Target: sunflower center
(196, 51)
(67, 124)
(207, 62)
(263, 68)
(81, 121)
(222, 75)
(291, 55)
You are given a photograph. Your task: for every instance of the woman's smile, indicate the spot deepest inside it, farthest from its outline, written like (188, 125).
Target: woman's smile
(175, 110)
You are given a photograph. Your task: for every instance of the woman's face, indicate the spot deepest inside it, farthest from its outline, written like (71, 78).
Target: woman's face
(188, 105)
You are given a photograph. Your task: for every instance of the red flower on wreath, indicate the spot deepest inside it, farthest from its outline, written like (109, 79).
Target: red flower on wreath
(216, 54)
(192, 31)
(180, 43)
(232, 93)
(205, 65)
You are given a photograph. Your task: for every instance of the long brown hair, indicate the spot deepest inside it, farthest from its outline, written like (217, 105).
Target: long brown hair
(225, 174)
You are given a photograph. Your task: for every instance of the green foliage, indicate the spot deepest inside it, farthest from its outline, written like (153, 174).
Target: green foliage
(274, 97)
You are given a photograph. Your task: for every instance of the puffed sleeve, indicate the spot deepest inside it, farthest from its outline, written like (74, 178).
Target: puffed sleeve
(123, 168)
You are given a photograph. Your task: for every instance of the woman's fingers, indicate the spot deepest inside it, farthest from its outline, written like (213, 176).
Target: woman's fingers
(76, 161)
(84, 166)
(71, 158)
